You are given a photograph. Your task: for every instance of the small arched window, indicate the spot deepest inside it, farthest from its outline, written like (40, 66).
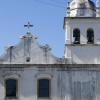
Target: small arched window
(43, 88)
(90, 36)
(76, 36)
(11, 88)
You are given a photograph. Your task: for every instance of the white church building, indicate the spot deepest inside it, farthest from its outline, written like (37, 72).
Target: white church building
(29, 71)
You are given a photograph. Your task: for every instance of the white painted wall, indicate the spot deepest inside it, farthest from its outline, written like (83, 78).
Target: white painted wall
(82, 54)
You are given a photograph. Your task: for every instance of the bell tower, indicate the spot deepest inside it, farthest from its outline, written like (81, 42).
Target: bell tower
(82, 32)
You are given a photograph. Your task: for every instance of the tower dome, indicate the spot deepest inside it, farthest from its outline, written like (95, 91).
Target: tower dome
(82, 8)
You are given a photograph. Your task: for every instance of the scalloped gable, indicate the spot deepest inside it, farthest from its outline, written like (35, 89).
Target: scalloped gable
(29, 51)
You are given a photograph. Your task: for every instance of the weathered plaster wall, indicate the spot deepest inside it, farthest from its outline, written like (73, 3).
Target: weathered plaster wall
(68, 82)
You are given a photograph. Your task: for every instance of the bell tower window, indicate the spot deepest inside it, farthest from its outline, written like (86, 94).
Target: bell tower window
(90, 36)
(76, 36)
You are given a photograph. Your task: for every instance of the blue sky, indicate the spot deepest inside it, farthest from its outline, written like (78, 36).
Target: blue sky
(47, 16)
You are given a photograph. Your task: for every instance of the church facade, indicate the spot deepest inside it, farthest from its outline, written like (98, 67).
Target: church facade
(29, 71)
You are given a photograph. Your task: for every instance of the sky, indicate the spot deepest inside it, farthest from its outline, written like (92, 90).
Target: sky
(47, 16)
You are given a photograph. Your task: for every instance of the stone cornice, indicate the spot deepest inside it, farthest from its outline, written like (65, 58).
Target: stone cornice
(82, 44)
(62, 67)
(82, 18)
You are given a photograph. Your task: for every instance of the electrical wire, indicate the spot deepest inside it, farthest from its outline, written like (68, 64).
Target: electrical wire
(56, 1)
(50, 3)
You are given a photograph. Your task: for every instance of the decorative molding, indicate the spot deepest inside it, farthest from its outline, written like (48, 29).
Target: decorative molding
(43, 75)
(12, 75)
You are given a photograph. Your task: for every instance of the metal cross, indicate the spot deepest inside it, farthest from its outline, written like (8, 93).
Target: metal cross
(28, 25)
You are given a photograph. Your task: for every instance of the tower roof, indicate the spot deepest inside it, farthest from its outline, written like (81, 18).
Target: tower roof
(86, 6)
(87, 3)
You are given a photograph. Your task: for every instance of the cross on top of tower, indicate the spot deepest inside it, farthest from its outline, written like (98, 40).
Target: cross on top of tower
(28, 25)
